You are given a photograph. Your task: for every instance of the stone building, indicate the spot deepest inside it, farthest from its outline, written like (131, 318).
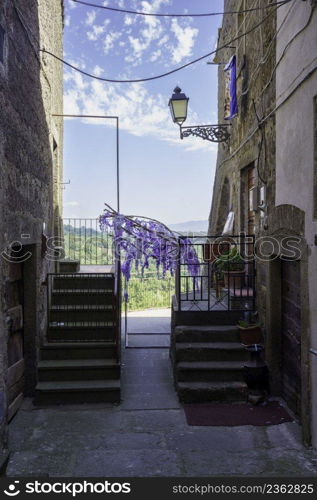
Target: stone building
(266, 176)
(30, 189)
(295, 208)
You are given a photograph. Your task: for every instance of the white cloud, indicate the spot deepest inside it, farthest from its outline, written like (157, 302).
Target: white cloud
(110, 40)
(71, 4)
(97, 30)
(141, 114)
(129, 20)
(185, 37)
(155, 55)
(91, 17)
(98, 70)
(95, 33)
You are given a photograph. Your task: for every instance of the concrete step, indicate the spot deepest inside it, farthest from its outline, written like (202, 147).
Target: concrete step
(78, 369)
(68, 266)
(210, 351)
(78, 350)
(81, 332)
(214, 371)
(82, 297)
(80, 313)
(77, 392)
(200, 392)
(217, 333)
(83, 281)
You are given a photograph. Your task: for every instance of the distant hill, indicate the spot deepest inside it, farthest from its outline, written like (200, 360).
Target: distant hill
(195, 226)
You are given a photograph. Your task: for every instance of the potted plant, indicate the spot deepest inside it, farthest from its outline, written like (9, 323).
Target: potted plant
(256, 374)
(232, 267)
(250, 331)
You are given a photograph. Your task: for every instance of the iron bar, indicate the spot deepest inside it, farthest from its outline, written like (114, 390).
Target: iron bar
(237, 294)
(104, 117)
(212, 133)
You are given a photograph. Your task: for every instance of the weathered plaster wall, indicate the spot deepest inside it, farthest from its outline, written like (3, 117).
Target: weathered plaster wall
(296, 89)
(30, 91)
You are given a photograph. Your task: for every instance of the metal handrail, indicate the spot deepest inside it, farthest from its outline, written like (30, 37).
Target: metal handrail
(204, 290)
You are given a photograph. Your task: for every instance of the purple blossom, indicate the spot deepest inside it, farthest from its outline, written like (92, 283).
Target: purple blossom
(137, 240)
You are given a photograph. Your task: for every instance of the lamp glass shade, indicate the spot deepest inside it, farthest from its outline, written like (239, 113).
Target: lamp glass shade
(178, 106)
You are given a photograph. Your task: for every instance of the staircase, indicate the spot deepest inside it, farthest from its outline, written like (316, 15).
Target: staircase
(208, 364)
(80, 361)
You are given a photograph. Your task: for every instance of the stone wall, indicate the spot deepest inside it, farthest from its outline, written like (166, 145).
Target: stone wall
(255, 54)
(278, 55)
(31, 171)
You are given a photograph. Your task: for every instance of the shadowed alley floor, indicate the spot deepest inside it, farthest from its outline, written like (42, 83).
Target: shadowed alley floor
(147, 435)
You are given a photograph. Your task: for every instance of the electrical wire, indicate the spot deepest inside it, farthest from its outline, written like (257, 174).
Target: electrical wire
(138, 80)
(156, 14)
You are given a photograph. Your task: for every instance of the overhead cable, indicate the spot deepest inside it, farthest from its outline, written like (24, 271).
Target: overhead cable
(139, 80)
(157, 14)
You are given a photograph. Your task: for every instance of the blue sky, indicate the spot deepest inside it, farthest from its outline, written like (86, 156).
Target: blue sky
(161, 176)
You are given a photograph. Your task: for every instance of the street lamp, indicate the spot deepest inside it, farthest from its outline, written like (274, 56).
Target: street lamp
(178, 105)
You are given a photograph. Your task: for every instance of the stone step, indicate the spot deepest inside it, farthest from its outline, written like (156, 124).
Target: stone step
(68, 266)
(81, 332)
(217, 333)
(80, 313)
(200, 392)
(77, 392)
(214, 371)
(210, 351)
(83, 281)
(91, 296)
(78, 369)
(78, 350)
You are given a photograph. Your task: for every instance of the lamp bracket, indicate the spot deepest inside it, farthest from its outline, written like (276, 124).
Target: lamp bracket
(212, 133)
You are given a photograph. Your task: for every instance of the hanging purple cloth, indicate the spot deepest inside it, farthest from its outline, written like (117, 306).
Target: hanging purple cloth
(231, 102)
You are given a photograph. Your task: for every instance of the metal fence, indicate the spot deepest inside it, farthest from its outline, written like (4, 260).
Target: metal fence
(84, 241)
(222, 277)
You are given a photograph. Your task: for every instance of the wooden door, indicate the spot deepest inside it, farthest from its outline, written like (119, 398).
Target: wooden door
(14, 315)
(291, 335)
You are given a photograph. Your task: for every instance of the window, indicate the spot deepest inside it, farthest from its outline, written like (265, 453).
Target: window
(2, 44)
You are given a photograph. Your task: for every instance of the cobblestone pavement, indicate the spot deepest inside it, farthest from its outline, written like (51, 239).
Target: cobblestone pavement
(147, 435)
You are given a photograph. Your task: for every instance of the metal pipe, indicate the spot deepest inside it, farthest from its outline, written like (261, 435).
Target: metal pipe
(104, 117)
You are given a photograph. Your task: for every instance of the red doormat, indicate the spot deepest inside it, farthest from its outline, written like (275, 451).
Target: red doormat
(229, 415)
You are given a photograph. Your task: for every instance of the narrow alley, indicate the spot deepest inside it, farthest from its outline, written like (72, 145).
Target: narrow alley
(147, 435)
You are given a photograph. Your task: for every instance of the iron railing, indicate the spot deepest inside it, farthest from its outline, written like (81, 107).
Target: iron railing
(84, 241)
(217, 281)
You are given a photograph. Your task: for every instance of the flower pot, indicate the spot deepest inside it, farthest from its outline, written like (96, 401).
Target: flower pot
(234, 279)
(256, 374)
(250, 334)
